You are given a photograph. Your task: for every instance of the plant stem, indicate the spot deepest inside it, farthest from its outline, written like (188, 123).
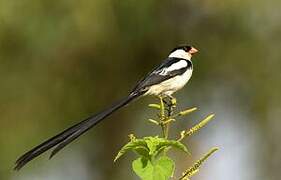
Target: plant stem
(162, 115)
(162, 108)
(167, 125)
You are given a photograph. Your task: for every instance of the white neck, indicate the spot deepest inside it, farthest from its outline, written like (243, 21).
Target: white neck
(181, 54)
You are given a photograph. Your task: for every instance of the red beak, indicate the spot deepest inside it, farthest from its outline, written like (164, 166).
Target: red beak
(193, 51)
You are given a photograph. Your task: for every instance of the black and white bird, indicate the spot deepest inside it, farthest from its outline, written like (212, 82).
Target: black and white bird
(170, 76)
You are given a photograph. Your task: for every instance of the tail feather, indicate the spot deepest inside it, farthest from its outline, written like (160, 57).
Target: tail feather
(49, 143)
(70, 134)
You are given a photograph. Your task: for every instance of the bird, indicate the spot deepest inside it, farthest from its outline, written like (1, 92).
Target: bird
(165, 79)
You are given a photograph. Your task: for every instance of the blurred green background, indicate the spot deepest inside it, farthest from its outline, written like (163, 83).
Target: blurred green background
(63, 60)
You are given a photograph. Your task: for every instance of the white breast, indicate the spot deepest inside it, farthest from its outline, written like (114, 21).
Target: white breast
(170, 86)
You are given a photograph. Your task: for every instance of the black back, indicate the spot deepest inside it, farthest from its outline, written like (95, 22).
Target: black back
(154, 77)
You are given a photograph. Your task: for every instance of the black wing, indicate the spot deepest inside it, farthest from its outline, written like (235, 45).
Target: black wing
(156, 77)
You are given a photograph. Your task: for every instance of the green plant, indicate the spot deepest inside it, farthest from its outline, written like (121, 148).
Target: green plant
(153, 162)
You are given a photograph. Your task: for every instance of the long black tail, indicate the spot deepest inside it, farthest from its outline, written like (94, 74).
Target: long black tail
(70, 134)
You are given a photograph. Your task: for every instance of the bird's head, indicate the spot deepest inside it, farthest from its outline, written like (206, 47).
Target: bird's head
(184, 52)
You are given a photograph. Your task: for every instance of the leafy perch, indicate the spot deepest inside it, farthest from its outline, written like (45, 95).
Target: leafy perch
(153, 162)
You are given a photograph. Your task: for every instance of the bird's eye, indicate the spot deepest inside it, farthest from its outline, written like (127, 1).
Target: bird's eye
(187, 48)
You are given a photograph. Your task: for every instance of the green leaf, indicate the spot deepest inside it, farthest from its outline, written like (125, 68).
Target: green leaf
(143, 168)
(142, 151)
(171, 143)
(152, 143)
(137, 145)
(165, 166)
(156, 145)
(161, 169)
(150, 147)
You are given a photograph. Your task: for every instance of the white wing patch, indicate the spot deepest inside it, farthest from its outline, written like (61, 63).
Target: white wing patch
(178, 65)
(170, 86)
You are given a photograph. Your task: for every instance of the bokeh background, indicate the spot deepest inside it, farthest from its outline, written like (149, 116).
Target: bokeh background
(63, 60)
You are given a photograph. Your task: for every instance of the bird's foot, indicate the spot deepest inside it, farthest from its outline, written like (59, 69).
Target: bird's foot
(170, 101)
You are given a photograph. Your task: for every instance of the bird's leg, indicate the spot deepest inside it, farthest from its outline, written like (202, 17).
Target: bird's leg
(172, 104)
(170, 109)
(167, 103)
